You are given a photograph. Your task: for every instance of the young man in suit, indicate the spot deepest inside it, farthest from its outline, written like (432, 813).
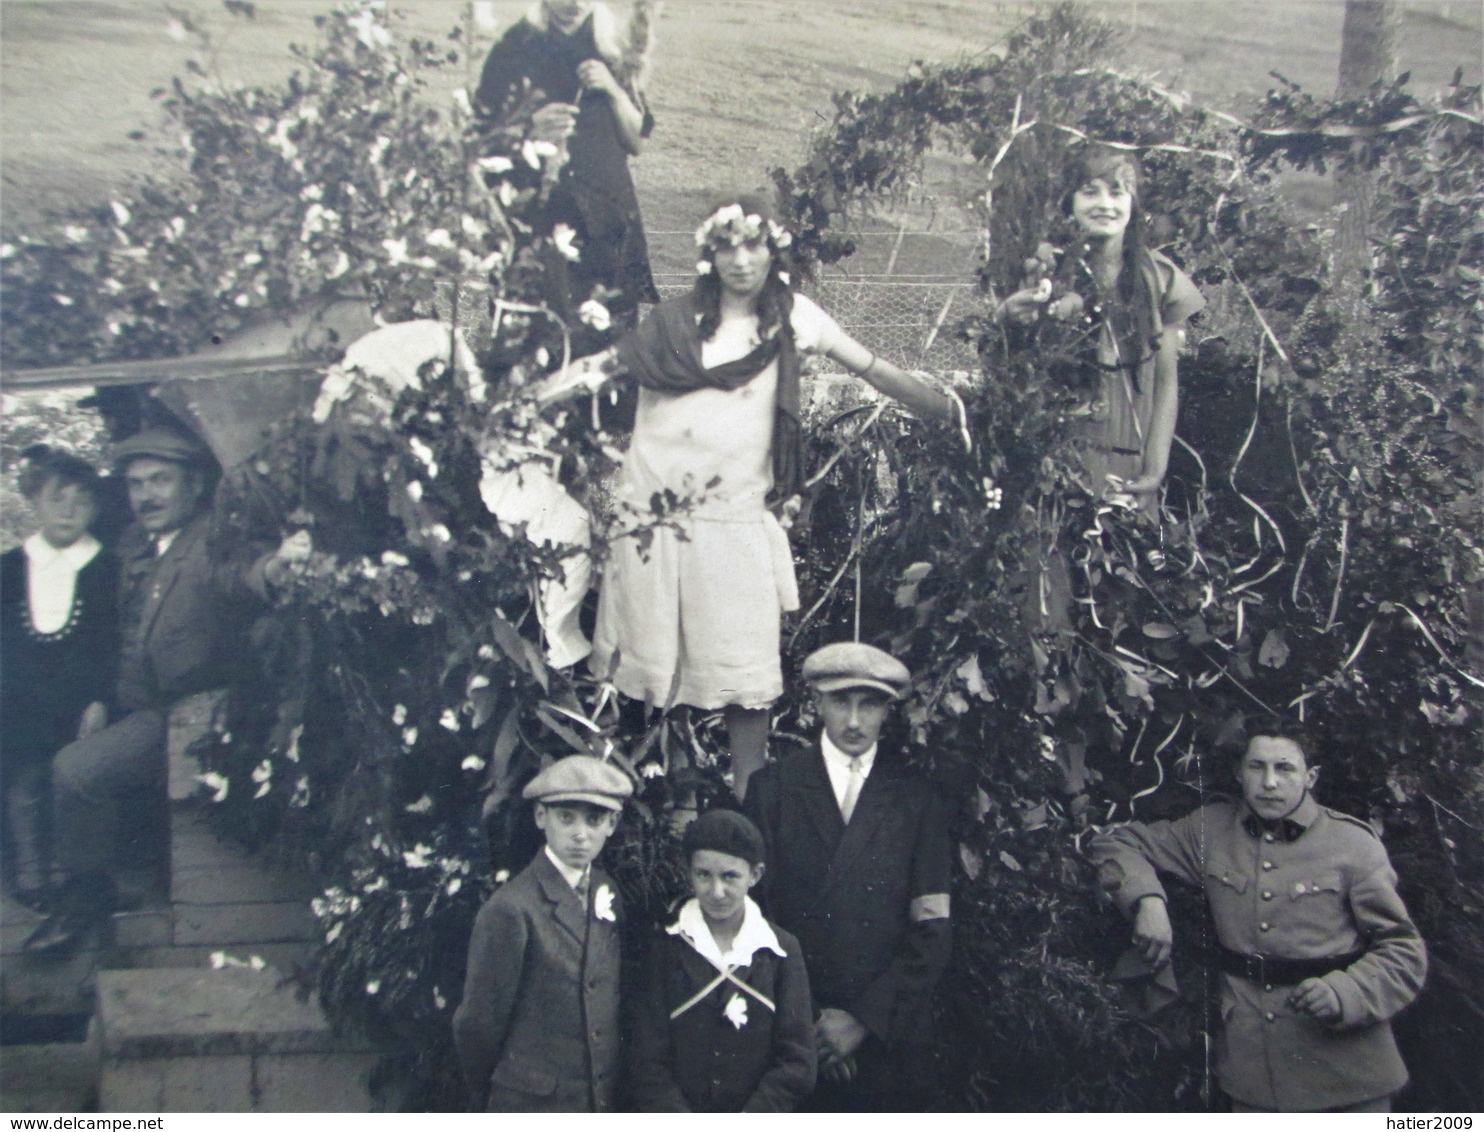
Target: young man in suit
(858, 869)
(538, 1027)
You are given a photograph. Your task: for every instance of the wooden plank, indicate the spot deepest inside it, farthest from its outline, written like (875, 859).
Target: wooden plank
(153, 370)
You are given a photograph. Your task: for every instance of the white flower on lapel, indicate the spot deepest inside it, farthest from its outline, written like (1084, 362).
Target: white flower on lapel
(736, 1011)
(603, 903)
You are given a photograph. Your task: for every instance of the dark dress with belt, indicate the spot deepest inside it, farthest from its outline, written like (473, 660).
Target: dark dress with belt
(48, 680)
(595, 193)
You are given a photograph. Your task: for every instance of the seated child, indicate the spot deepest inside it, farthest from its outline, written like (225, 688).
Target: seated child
(726, 1022)
(538, 1025)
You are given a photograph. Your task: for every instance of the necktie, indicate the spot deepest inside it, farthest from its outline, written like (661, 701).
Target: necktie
(852, 790)
(582, 886)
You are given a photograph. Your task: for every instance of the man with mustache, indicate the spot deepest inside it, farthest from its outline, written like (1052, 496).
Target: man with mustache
(858, 869)
(182, 621)
(1316, 948)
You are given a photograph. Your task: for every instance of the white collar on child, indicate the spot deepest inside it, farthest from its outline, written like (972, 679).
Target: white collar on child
(52, 579)
(569, 874)
(755, 935)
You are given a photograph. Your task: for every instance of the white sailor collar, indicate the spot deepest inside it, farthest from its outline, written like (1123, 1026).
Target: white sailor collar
(756, 935)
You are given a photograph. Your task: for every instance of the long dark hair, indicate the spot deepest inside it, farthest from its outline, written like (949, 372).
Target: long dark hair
(775, 302)
(1131, 310)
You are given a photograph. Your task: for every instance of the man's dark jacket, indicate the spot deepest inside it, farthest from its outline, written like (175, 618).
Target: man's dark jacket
(868, 901)
(183, 617)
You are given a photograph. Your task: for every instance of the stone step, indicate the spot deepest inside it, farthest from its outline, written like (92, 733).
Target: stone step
(60, 1077)
(231, 1040)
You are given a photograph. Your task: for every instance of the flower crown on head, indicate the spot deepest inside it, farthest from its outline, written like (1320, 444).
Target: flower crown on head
(730, 227)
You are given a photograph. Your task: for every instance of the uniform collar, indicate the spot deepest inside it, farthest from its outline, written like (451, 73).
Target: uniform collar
(1289, 828)
(755, 935)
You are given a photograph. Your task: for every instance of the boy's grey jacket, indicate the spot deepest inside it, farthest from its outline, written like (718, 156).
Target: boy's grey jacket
(539, 1022)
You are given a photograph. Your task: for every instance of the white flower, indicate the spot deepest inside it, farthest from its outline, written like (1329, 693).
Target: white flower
(394, 558)
(415, 490)
(300, 797)
(438, 1000)
(477, 681)
(373, 986)
(652, 770)
(496, 164)
(76, 233)
(176, 31)
(263, 772)
(703, 267)
(399, 713)
(473, 762)
(454, 885)
(312, 192)
(420, 857)
(603, 903)
(449, 720)
(736, 1011)
(595, 314)
(218, 784)
(563, 235)
(438, 238)
(64, 300)
(423, 805)
(396, 251)
(120, 213)
(424, 452)
(409, 736)
(438, 531)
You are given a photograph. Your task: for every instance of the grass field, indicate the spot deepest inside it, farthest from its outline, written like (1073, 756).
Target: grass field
(738, 84)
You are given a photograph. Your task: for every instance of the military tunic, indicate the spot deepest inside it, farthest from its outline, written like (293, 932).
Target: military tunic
(1319, 885)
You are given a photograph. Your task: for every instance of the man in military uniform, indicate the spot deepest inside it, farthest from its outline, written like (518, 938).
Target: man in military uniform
(1316, 949)
(858, 870)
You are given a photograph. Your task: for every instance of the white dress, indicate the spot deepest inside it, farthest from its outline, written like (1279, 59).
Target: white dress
(698, 609)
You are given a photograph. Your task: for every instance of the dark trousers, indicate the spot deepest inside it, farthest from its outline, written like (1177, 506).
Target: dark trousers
(89, 780)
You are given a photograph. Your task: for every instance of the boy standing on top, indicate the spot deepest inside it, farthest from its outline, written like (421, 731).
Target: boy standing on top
(726, 1023)
(537, 1030)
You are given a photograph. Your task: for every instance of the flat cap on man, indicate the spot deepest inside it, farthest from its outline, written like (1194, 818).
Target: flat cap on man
(162, 444)
(850, 664)
(580, 778)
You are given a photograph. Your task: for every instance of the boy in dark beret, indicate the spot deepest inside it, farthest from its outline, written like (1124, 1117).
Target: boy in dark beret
(725, 1022)
(537, 1030)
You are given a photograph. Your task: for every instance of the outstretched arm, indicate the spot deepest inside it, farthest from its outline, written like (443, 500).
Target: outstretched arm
(896, 383)
(585, 374)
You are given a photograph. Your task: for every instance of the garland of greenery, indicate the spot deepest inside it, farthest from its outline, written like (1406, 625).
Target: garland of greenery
(1314, 553)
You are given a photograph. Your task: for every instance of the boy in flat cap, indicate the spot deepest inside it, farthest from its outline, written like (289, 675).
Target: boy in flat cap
(538, 1030)
(859, 865)
(726, 1023)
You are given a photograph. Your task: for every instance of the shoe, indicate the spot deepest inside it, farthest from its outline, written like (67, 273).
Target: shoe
(59, 934)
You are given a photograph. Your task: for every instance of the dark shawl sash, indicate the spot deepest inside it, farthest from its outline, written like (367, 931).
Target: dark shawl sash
(664, 354)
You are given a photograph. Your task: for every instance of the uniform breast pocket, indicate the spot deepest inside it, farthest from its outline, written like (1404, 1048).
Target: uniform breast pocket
(1320, 887)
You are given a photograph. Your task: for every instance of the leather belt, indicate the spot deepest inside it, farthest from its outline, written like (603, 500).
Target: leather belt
(1268, 971)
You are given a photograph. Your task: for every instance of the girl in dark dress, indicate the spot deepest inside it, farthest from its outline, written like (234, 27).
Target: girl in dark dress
(59, 643)
(587, 84)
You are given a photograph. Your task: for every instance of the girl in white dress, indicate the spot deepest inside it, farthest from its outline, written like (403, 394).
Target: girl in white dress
(697, 610)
